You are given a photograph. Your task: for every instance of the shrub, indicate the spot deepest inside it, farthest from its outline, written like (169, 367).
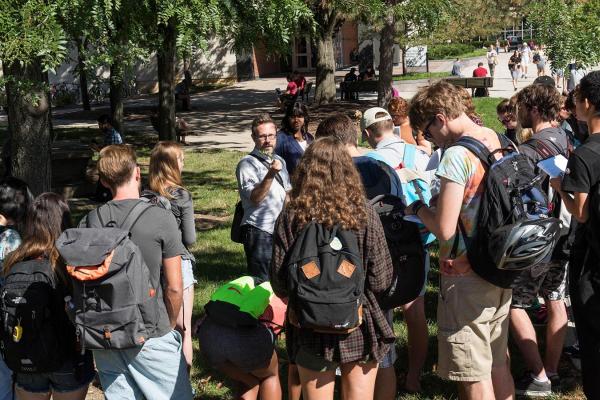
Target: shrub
(440, 51)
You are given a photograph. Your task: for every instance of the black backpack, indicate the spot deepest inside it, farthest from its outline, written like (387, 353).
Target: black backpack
(406, 251)
(31, 339)
(403, 239)
(326, 280)
(512, 199)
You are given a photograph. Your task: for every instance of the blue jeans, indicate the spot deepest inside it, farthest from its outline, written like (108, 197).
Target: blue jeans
(156, 371)
(258, 246)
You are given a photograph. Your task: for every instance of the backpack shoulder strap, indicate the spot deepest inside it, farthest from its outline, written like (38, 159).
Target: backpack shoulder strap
(410, 153)
(477, 148)
(134, 215)
(541, 147)
(278, 177)
(375, 156)
(94, 219)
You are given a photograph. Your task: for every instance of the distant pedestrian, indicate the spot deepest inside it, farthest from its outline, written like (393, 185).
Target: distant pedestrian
(514, 66)
(492, 59)
(525, 59)
(456, 68)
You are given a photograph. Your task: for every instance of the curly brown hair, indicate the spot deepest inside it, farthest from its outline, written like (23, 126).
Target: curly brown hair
(399, 106)
(327, 188)
(545, 98)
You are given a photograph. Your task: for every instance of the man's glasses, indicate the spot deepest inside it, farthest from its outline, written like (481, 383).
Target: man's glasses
(426, 133)
(262, 138)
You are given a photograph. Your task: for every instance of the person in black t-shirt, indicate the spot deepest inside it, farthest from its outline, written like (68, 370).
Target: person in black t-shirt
(579, 190)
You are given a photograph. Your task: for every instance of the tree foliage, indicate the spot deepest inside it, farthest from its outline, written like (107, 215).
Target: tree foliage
(30, 31)
(569, 29)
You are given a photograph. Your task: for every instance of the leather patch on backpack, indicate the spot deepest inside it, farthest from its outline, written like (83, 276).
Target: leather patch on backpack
(311, 270)
(346, 268)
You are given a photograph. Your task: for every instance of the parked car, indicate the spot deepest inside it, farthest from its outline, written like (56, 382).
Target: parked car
(514, 42)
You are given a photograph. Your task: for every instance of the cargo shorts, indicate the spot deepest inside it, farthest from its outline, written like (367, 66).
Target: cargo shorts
(473, 328)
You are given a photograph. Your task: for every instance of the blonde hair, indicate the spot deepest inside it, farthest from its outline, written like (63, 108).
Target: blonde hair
(164, 173)
(116, 165)
(440, 98)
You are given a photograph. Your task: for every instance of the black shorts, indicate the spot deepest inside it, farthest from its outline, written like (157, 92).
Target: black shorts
(547, 280)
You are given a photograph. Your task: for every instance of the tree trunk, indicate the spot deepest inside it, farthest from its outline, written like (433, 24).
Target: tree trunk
(28, 124)
(116, 96)
(325, 90)
(386, 60)
(83, 82)
(165, 59)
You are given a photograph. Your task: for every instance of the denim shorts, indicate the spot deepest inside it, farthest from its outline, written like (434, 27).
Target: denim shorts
(67, 379)
(155, 371)
(187, 273)
(248, 349)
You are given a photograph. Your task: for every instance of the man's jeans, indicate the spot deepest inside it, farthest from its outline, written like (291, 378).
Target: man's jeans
(156, 371)
(258, 246)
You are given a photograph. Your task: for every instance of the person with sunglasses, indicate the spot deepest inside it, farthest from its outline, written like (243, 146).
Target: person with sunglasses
(472, 312)
(507, 112)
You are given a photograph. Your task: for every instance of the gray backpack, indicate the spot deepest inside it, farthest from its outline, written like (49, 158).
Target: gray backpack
(114, 303)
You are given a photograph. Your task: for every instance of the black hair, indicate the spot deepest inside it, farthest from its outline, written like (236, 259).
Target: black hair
(295, 110)
(15, 198)
(589, 88)
(104, 118)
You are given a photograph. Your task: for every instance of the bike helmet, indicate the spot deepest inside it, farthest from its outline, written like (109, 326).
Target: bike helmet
(524, 244)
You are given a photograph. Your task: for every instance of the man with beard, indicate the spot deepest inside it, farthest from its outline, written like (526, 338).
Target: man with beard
(538, 106)
(263, 183)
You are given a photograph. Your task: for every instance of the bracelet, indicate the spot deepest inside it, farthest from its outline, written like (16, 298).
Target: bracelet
(416, 206)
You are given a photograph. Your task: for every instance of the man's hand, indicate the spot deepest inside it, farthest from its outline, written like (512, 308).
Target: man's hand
(276, 166)
(556, 183)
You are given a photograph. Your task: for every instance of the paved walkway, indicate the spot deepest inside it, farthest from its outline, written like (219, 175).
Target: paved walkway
(221, 118)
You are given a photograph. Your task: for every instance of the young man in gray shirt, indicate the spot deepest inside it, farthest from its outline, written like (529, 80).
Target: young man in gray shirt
(157, 369)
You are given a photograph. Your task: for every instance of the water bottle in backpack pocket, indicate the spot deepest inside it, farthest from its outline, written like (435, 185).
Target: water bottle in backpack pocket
(326, 280)
(31, 340)
(114, 303)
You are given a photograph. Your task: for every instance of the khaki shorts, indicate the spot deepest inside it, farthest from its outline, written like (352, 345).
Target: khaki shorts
(473, 328)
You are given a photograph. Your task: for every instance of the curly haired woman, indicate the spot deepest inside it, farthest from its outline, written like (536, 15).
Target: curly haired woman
(325, 166)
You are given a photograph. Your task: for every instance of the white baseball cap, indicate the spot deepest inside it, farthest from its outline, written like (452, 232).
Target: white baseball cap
(369, 119)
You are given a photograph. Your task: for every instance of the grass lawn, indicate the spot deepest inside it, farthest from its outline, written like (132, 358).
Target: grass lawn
(409, 76)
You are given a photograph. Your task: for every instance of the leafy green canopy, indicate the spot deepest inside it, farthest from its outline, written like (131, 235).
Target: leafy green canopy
(30, 31)
(569, 29)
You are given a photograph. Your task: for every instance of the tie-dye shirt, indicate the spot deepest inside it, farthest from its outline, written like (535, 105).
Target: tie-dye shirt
(463, 167)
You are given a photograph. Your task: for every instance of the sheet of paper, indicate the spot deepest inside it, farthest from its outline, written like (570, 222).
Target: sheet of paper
(412, 218)
(553, 166)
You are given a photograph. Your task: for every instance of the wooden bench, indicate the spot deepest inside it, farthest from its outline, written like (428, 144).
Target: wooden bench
(349, 89)
(473, 83)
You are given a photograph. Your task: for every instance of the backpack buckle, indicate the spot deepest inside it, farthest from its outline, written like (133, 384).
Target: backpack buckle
(107, 334)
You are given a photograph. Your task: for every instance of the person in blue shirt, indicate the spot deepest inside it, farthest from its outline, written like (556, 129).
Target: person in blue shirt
(293, 138)
(110, 134)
